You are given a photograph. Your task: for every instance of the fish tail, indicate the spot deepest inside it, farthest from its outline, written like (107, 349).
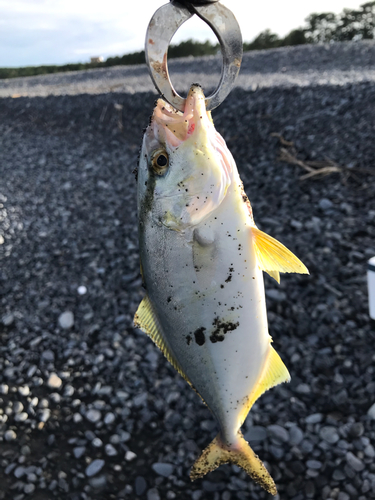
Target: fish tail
(218, 453)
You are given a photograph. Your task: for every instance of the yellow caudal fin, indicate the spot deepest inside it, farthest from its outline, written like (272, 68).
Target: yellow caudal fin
(240, 453)
(146, 320)
(218, 453)
(273, 257)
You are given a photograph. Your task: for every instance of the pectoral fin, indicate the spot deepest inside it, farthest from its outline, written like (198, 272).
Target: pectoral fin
(273, 257)
(146, 320)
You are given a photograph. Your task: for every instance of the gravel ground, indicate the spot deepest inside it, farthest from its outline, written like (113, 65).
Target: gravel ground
(89, 408)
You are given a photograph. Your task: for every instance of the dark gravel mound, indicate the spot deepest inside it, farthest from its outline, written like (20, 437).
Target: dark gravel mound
(89, 408)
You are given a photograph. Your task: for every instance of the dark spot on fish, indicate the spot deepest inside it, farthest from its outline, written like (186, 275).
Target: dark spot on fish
(228, 279)
(221, 286)
(135, 172)
(169, 299)
(245, 198)
(200, 339)
(188, 339)
(222, 327)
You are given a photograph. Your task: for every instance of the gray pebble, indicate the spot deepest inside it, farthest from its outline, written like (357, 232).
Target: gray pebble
(29, 488)
(329, 434)
(10, 435)
(66, 320)
(94, 468)
(314, 464)
(163, 469)
(276, 295)
(4, 389)
(153, 494)
(371, 412)
(24, 390)
(354, 462)
(140, 485)
(325, 204)
(314, 418)
(343, 496)
(79, 451)
(7, 319)
(278, 433)
(256, 433)
(110, 450)
(109, 418)
(93, 415)
(295, 435)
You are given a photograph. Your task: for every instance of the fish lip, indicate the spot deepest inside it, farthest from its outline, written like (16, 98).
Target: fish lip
(172, 127)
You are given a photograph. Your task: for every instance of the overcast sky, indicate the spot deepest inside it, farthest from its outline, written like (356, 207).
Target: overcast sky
(34, 32)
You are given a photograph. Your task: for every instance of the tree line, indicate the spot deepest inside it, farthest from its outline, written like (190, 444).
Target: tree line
(327, 27)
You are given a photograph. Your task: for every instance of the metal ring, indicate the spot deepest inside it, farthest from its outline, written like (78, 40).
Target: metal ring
(164, 24)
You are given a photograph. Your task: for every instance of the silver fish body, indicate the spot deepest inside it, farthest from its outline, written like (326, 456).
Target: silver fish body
(202, 259)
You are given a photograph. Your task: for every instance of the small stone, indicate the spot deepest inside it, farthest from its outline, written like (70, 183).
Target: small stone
(276, 295)
(356, 430)
(303, 389)
(256, 433)
(163, 469)
(314, 418)
(19, 471)
(17, 407)
(110, 450)
(314, 464)
(4, 389)
(338, 475)
(94, 468)
(98, 482)
(354, 462)
(109, 418)
(66, 320)
(295, 435)
(48, 355)
(24, 390)
(10, 435)
(153, 494)
(25, 450)
(77, 418)
(371, 412)
(370, 451)
(79, 451)
(130, 455)
(7, 319)
(325, 204)
(81, 290)
(44, 414)
(21, 417)
(329, 434)
(343, 496)
(29, 488)
(140, 485)
(278, 433)
(93, 416)
(97, 442)
(54, 382)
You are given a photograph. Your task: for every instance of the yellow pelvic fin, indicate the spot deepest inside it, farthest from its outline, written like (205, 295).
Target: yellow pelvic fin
(273, 257)
(240, 453)
(146, 320)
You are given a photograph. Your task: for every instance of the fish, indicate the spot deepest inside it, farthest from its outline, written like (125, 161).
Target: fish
(202, 259)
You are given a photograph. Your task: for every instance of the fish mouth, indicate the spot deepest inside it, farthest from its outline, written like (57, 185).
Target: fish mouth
(174, 127)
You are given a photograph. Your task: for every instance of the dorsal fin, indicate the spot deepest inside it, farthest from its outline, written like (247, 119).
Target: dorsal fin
(146, 320)
(273, 257)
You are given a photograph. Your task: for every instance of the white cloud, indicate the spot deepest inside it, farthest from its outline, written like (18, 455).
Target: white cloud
(60, 31)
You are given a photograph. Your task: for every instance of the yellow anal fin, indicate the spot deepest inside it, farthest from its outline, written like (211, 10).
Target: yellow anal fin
(273, 257)
(274, 373)
(146, 320)
(217, 453)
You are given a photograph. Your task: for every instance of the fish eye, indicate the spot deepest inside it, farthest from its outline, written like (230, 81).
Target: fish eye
(160, 161)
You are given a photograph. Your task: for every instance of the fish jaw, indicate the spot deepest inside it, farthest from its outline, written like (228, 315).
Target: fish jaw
(200, 165)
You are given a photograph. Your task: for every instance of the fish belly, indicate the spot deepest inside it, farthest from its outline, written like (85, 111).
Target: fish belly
(208, 294)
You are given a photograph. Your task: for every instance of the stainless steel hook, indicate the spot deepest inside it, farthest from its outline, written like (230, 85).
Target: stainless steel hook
(164, 24)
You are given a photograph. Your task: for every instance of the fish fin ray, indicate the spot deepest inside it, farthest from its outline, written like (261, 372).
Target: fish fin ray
(146, 320)
(275, 275)
(274, 373)
(274, 256)
(241, 454)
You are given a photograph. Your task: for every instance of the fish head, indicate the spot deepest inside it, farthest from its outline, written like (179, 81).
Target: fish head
(185, 167)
